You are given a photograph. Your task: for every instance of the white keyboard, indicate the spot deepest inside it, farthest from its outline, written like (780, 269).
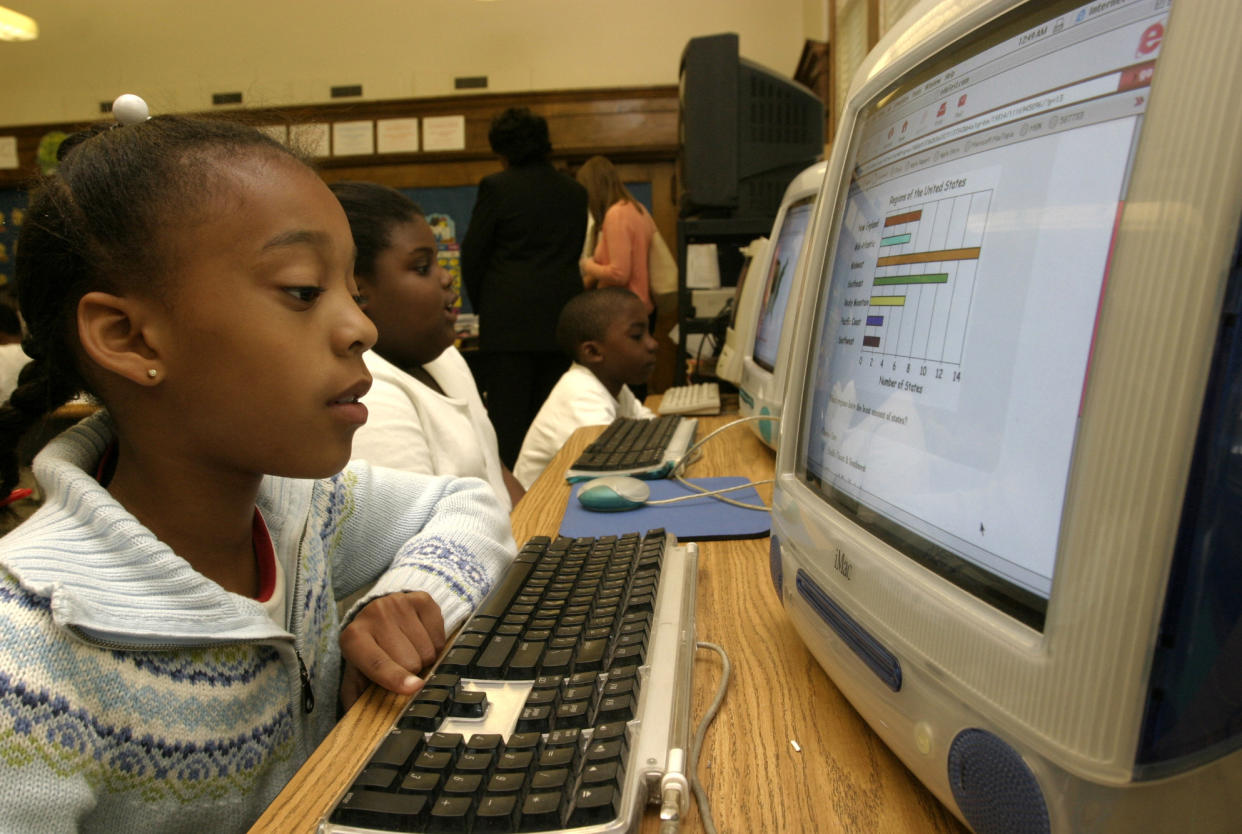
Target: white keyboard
(699, 398)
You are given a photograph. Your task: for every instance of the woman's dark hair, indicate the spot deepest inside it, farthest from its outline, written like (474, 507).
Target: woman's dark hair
(100, 223)
(520, 136)
(373, 210)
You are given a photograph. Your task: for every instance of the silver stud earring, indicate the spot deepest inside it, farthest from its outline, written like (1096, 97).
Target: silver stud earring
(151, 372)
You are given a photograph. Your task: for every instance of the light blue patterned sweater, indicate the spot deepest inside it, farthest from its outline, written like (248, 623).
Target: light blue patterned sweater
(137, 695)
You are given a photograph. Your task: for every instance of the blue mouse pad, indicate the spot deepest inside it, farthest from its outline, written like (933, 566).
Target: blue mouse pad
(701, 519)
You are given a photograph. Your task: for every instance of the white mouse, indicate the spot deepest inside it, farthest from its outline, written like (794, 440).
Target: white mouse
(613, 493)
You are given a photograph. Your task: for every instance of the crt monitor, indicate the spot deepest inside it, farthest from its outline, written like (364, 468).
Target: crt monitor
(745, 131)
(1008, 511)
(766, 343)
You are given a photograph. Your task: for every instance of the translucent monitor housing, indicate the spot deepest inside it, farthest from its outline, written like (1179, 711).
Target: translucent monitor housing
(743, 311)
(1009, 482)
(766, 342)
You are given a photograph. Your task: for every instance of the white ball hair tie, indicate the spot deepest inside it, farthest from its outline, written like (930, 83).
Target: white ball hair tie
(130, 109)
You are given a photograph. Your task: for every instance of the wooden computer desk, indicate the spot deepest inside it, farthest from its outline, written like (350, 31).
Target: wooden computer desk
(839, 778)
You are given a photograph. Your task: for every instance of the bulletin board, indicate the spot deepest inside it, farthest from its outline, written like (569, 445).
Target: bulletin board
(12, 213)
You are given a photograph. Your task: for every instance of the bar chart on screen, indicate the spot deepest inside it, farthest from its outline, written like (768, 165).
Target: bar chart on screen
(924, 280)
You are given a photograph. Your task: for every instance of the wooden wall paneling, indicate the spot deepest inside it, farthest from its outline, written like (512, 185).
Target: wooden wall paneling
(636, 128)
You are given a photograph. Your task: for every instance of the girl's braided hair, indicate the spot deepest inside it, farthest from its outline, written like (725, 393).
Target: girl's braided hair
(102, 222)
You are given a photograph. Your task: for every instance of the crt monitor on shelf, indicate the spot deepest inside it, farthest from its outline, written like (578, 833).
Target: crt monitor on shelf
(1006, 512)
(745, 131)
(764, 340)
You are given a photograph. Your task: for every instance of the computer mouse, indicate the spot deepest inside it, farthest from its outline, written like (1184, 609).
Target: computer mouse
(613, 493)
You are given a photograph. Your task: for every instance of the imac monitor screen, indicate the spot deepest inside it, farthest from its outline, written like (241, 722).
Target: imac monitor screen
(774, 299)
(948, 367)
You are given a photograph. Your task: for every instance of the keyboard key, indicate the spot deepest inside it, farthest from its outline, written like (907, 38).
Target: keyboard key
(590, 656)
(433, 761)
(442, 680)
(497, 814)
(525, 660)
(563, 738)
(485, 743)
(601, 773)
(615, 708)
(468, 704)
(543, 697)
(598, 752)
(376, 778)
(397, 748)
(524, 741)
(457, 660)
(507, 781)
(541, 811)
(420, 781)
(556, 661)
(390, 811)
(449, 742)
(556, 779)
(462, 784)
(516, 761)
(554, 757)
(572, 714)
(594, 805)
(451, 815)
(475, 762)
(537, 719)
(421, 717)
(626, 656)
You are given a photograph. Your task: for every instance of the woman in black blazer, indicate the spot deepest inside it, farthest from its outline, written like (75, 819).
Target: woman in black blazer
(519, 263)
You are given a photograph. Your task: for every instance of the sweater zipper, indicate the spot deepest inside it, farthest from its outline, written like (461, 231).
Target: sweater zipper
(308, 691)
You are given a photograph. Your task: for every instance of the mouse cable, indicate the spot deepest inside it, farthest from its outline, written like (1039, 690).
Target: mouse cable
(670, 826)
(691, 455)
(714, 493)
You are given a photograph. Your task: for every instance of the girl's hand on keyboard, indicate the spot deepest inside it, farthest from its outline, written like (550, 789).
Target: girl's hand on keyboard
(389, 642)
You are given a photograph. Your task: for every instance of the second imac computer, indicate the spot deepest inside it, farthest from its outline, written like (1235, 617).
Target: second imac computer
(1007, 517)
(764, 342)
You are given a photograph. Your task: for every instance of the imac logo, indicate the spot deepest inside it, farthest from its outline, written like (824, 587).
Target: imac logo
(842, 564)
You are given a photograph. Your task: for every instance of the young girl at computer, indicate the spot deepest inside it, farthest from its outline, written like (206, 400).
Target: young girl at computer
(170, 651)
(622, 229)
(425, 412)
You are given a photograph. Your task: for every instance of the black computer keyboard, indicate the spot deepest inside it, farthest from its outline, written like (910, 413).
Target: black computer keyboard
(631, 445)
(557, 707)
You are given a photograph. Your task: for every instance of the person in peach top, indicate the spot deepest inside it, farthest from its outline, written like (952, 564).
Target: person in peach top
(622, 231)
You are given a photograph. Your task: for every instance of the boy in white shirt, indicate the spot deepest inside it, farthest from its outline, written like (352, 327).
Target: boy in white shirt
(605, 332)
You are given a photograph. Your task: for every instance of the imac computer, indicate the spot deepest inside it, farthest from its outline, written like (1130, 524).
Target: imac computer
(765, 341)
(745, 131)
(743, 309)
(1007, 517)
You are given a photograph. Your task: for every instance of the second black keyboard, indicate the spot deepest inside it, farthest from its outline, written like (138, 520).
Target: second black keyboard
(629, 443)
(558, 705)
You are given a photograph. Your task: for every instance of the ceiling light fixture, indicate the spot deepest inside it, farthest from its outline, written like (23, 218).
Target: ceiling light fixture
(15, 26)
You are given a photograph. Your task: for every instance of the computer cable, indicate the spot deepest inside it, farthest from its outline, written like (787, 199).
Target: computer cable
(688, 458)
(670, 823)
(714, 493)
